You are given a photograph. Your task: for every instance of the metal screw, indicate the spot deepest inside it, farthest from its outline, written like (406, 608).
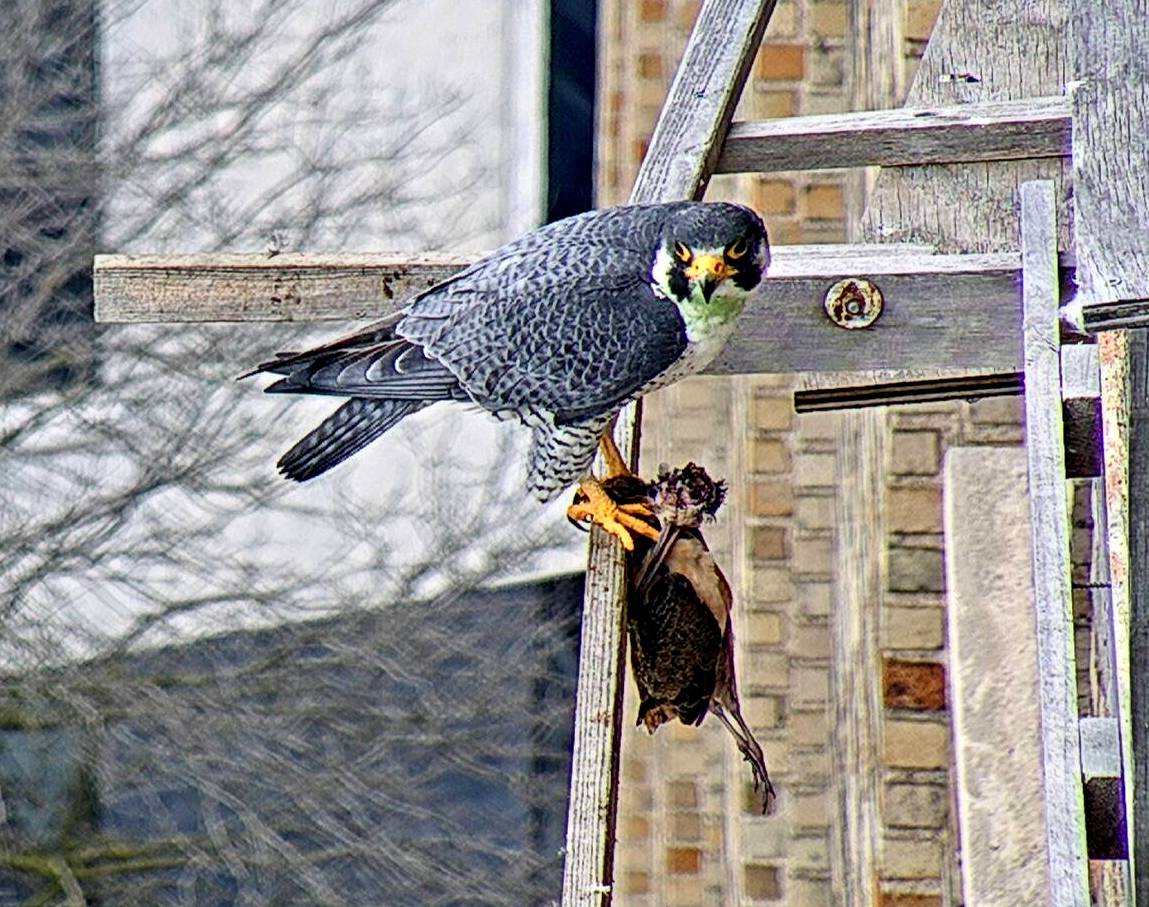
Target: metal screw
(853, 303)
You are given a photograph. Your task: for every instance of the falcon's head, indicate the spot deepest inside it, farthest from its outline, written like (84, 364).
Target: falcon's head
(710, 257)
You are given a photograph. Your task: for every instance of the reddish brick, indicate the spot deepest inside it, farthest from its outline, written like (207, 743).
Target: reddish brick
(771, 498)
(652, 10)
(781, 62)
(768, 543)
(917, 685)
(825, 201)
(896, 899)
(683, 860)
(650, 66)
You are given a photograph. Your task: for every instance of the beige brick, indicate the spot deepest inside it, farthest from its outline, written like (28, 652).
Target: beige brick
(810, 809)
(784, 22)
(915, 744)
(781, 63)
(703, 393)
(776, 104)
(814, 555)
(769, 455)
(827, 101)
(762, 712)
(772, 413)
(814, 470)
(824, 201)
(809, 728)
(829, 20)
(810, 852)
(762, 883)
(635, 827)
(814, 232)
(997, 410)
(915, 453)
(914, 509)
(682, 794)
(684, 891)
(764, 669)
(687, 14)
(911, 859)
(775, 197)
(809, 763)
(772, 585)
(808, 893)
(686, 827)
(762, 628)
(916, 570)
(635, 881)
(810, 641)
(818, 426)
(814, 599)
(815, 512)
(914, 805)
(809, 684)
(771, 497)
(920, 18)
(912, 628)
(769, 543)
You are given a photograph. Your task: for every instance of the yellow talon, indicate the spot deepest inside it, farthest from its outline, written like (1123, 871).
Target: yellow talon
(618, 521)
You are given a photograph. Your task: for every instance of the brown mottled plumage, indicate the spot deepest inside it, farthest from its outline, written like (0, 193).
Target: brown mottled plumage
(678, 612)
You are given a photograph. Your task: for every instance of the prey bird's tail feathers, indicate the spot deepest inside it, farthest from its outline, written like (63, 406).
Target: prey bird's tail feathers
(349, 429)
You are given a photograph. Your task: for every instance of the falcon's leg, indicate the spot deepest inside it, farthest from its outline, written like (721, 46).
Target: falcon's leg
(618, 521)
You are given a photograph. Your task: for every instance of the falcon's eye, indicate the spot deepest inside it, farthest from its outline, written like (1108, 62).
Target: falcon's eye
(682, 252)
(736, 249)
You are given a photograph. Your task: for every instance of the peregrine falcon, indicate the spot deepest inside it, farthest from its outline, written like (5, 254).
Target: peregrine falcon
(678, 608)
(558, 329)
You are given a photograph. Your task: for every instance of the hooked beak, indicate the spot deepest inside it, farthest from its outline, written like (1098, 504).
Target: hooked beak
(708, 271)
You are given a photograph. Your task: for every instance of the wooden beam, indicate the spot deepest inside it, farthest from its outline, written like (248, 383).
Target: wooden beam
(1112, 620)
(939, 311)
(1049, 518)
(986, 131)
(683, 149)
(1138, 588)
(1109, 59)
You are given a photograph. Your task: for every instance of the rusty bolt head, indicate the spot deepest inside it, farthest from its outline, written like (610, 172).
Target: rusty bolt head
(853, 303)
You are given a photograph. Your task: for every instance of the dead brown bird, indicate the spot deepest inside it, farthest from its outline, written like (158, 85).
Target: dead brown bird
(678, 607)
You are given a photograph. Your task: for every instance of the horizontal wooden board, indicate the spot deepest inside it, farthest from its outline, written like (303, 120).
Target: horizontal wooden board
(940, 311)
(991, 131)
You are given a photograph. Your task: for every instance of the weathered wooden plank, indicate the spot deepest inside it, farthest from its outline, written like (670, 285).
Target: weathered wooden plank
(1065, 831)
(1138, 589)
(989, 131)
(981, 51)
(940, 311)
(1109, 59)
(855, 662)
(1114, 619)
(996, 745)
(259, 287)
(685, 144)
(893, 393)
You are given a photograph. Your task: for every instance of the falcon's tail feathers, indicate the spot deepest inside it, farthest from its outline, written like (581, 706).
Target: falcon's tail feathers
(349, 429)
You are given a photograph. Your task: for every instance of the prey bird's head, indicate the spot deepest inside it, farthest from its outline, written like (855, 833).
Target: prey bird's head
(710, 256)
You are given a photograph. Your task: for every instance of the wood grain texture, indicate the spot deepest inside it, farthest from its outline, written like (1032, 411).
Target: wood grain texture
(1109, 59)
(1138, 458)
(952, 311)
(1112, 622)
(990, 131)
(1014, 49)
(855, 662)
(1065, 831)
(682, 152)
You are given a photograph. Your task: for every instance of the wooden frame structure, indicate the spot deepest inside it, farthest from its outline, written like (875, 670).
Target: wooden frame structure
(981, 310)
